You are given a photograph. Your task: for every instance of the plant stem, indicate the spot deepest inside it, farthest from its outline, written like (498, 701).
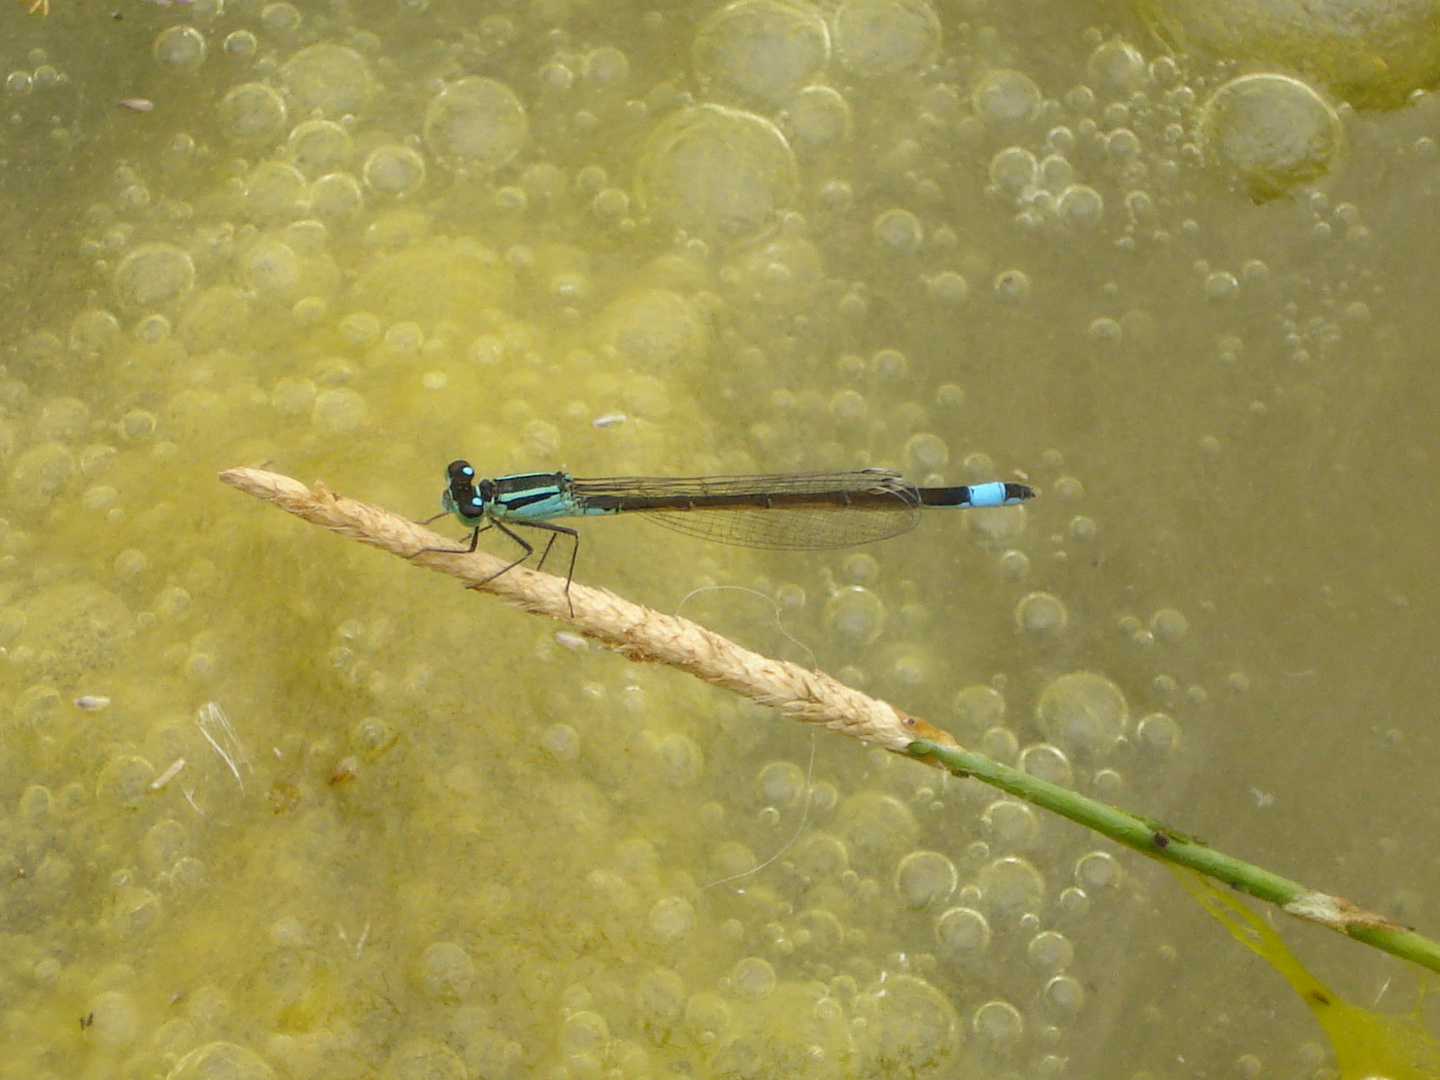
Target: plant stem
(1150, 837)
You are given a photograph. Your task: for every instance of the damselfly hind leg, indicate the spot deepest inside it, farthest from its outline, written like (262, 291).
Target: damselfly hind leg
(555, 532)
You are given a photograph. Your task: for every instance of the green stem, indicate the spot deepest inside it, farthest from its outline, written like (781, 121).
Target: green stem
(1151, 838)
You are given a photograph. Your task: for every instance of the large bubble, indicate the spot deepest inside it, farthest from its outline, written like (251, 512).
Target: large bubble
(1270, 132)
(252, 113)
(714, 170)
(655, 330)
(476, 122)
(221, 1061)
(765, 49)
(1083, 713)
(910, 1029)
(331, 80)
(153, 274)
(880, 38)
(432, 281)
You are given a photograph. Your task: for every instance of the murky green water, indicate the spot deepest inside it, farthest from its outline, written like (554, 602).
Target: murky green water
(274, 805)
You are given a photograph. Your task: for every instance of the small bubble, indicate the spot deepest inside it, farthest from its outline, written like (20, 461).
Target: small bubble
(1014, 171)
(1000, 744)
(446, 971)
(1221, 285)
(899, 231)
(980, 706)
(927, 452)
(1005, 97)
(1081, 206)
(962, 932)
(1097, 870)
(889, 365)
(753, 977)
(1169, 625)
(1012, 286)
(1050, 951)
(1049, 763)
(252, 112)
(924, 878)
(948, 287)
(1010, 825)
(339, 411)
(1066, 993)
(1158, 735)
(180, 47)
(998, 1024)
(780, 783)
(1117, 67)
(130, 562)
(671, 920)
(1041, 615)
(394, 170)
(1105, 330)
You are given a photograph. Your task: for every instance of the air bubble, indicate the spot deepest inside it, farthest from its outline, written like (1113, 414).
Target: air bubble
(856, 615)
(1048, 763)
(925, 878)
(320, 146)
(962, 932)
(717, 171)
(899, 231)
(763, 49)
(394, 170)
(999, 1024)
(180, 47)
(252, 113)
(329, 79)
(877, 39)
(1010, 826)
(154, 274)
(753, 977)
(1042, 616)
(1005, 97)
(1271, 133)
(476, 121)
(446, 971)
(1083, 712)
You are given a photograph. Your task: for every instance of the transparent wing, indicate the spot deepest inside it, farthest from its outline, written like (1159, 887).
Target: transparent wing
(806, 511)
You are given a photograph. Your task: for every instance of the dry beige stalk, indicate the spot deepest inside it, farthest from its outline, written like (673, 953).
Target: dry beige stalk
(637, 632)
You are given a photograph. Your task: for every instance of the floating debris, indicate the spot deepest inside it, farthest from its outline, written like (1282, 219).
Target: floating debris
(212, 719)
(169, 774)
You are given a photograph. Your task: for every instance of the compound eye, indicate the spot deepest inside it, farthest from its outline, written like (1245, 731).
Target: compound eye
(477, 505)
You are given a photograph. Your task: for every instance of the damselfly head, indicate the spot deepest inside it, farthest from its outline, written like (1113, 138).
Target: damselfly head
(460, 495)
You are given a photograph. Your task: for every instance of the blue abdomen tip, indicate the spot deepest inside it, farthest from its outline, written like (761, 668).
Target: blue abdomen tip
(991, 494)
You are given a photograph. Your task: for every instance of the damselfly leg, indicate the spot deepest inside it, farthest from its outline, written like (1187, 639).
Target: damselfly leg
(555, 532)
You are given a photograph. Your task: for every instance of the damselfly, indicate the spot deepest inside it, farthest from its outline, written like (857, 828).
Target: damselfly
(794, 511)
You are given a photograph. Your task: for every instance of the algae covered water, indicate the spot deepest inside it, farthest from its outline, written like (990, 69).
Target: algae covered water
(274, 807)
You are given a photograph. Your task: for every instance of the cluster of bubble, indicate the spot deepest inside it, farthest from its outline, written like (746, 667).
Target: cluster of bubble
(1137, 124)
(984, 942)
(309, 177)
